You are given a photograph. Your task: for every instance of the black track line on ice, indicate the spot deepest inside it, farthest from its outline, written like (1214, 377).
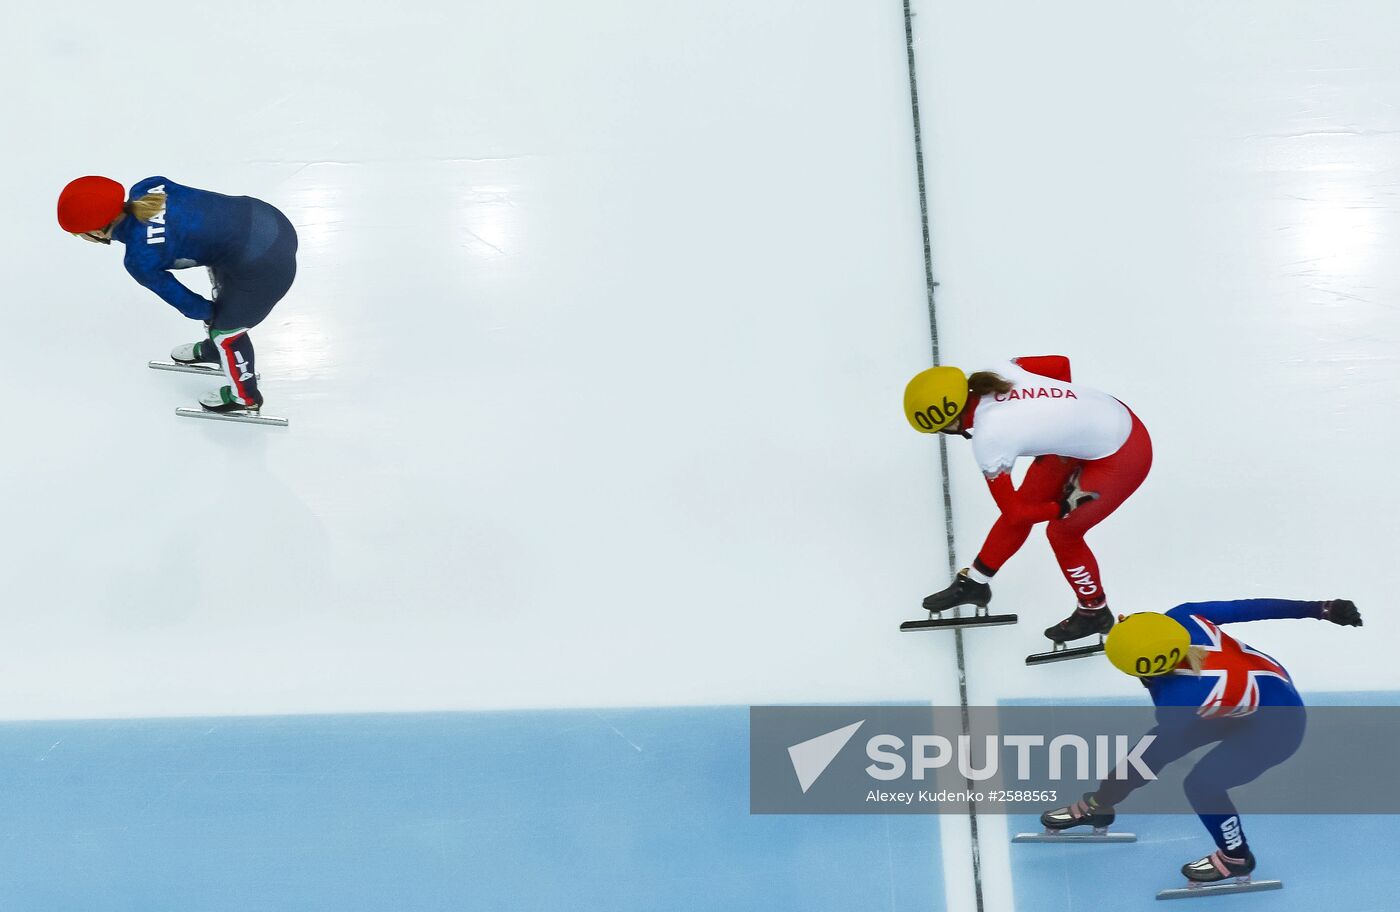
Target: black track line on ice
(929, 286)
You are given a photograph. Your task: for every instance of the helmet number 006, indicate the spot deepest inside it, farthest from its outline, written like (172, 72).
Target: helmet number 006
(934, 416)
(1157, 664)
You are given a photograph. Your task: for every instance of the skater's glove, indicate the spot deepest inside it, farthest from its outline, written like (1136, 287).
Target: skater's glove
(1341, 612)
(1073, 497)
(1068, 506)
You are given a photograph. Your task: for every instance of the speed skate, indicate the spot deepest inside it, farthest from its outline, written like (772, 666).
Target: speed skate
(964, 591)
(190, 367)
(246, 416)
(242, 416)
(1059, 652)
(1244, 884)
(980, 618)
(196, 367)
(1083, 821)
(1085, 621)
(1097, 834)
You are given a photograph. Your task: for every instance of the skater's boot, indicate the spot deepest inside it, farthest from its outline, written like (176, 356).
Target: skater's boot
(1085, 812)
(1086, 621)
(1218, 866)
(201, 352)
(963, 591)
(224, 400)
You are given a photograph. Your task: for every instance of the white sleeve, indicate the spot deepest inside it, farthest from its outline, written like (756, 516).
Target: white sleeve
(992, 454)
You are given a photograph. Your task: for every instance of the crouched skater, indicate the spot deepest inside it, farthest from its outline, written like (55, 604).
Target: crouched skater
(1091, 452)
(1184, 659)
(248, 246)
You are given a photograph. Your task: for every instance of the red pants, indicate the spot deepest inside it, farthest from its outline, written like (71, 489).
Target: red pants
(1113, 478)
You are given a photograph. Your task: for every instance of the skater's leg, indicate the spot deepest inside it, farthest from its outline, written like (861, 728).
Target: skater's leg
(243, 297)
(235, 349)
(1043, 483)
(1114, 478)
(1170, 743)
(1096, 809)
(1077, 563)
(1255, 745)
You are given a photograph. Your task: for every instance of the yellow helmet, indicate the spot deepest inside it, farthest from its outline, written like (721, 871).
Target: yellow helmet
(1147, 644)
(934, 398)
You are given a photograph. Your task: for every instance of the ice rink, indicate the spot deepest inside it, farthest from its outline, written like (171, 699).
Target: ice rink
(593, 370)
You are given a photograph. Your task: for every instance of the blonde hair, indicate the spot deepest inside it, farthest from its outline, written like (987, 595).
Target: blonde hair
(147, 207)
(1196, 655)
(983, 382)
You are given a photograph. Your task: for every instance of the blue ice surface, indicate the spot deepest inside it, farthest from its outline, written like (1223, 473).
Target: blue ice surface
(554, 810)
(1343, 862)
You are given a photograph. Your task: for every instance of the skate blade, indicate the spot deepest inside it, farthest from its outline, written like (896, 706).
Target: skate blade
(212, 370)
(1064, 655)
(1196, 891)
(179, 368)
(1063, 837)
(955, 623)
(240, 417)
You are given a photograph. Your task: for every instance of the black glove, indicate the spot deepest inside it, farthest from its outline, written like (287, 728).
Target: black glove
(1073, 497)
(1341, 612)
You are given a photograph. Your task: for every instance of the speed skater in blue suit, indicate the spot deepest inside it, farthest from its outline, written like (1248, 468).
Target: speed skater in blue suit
(248, 246)
(1209, 688)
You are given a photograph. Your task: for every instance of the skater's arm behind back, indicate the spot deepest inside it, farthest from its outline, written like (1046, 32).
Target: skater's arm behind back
(169, 288)
(1013, 503)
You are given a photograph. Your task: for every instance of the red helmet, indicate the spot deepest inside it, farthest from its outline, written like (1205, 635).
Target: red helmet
(90, 204)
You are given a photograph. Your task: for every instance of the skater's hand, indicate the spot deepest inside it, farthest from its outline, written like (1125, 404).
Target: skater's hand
(1074, 500)
(1341, 612)
(1073, 497)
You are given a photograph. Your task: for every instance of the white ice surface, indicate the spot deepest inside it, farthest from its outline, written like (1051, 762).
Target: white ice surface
(593, 363)
(1204, 215)
(594, 359)
(1200, 204)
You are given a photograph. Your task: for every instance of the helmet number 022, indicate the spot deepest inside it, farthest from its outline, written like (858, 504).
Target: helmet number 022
(1149, 665)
